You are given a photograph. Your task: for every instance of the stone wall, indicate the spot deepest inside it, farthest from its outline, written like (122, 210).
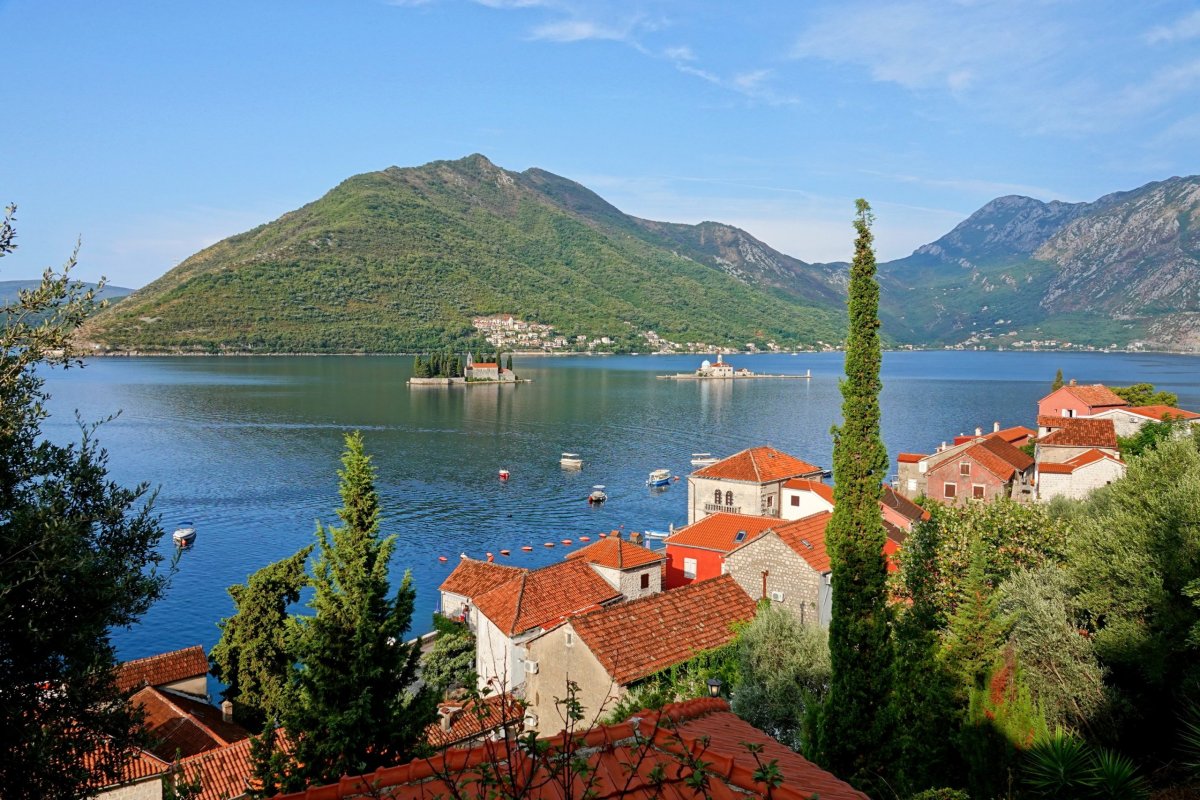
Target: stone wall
(787, 573)
(559, 662)
(1081, 482)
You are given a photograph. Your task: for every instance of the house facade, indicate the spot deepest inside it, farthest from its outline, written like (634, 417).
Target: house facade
(1068, 437)
(1074, 400)
(803, 498)
(1078, 477)
(633, 570)
(982, 469)
(749, 482)
(696, 552)
(789, 567)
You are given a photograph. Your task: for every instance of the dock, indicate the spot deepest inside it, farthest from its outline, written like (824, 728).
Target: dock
(691, 376)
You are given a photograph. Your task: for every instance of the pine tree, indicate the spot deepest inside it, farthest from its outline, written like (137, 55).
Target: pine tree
(254, 657)
(355, 708)
(855, 730)
(1058, 381)
(508, 366)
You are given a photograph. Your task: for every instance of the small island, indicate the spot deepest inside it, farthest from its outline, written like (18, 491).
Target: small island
(722, 371)
(444, 369)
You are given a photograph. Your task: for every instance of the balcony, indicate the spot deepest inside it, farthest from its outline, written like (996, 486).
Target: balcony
(713, 508)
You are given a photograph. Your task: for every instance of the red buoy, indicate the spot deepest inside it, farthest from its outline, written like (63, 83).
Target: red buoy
(505, 552)
(441, 558)
(527, 548)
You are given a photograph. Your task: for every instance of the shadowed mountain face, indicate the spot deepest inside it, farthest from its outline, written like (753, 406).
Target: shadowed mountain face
(402, 259)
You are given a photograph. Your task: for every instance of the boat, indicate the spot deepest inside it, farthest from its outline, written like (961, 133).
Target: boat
(571, 461)
(597, 496)
(504, 474)
(184, 535)
(703, 459)
(659, 477)
(657, 534)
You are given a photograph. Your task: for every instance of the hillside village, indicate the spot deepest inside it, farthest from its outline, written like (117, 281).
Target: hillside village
(615, 613)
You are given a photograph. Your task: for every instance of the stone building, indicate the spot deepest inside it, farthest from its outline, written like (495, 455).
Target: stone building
(789, 566)
(981, 468)
(631, 569)
(1128, 421)
(1080, 475)
(696, 552)
(1064, 438)
(749, 482)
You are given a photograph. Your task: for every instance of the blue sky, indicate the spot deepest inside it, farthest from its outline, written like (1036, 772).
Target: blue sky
(151, 129)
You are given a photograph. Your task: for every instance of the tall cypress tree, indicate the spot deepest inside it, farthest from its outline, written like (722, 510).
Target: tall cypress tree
(355, 709)
(854, 728)
(1058, 381)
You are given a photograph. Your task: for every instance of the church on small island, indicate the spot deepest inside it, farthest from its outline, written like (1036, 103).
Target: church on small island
(486, 371)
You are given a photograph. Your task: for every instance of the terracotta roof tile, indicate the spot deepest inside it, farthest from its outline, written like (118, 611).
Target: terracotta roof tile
(909, 458)
(484, 365)
(1082, 432)
(822, 490)
(1097, 395)
(539, 598)
(163, 668)
(998, 457)
(636, 639)
(719, 531)
(181, 726)
(807, 538)
(1162, 412)
(1081, 460)
(617, 553)
(907, 508)
(474, 719)
(471, 577)
(1015, 433)
(758, 465)
(137, 766)
(1051, 421)
(618, 764)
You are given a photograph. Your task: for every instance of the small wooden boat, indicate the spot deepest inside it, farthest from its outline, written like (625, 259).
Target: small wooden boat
(442, 559)
(659, 477)
(548, 544)
(184, 535)
(597, 496)
(504, 474)
(571, 461)
(703, 459)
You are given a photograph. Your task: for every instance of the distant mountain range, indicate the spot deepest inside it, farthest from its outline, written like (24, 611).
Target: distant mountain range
(401, 260)
(10, 289)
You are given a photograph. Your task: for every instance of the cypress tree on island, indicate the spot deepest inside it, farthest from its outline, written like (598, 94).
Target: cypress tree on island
(854, 721)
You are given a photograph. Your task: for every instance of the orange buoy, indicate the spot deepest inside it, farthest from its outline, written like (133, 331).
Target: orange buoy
(491, 558)
(603, 535)
(527, 548)
(505, 553)
(441, 558)
(585, 538)
(548, 544)
(566, 541)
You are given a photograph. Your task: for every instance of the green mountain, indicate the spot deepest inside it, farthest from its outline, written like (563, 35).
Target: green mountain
(10, 289)
(403, 259)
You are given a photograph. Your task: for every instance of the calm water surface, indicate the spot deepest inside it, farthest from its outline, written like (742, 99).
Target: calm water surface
(248, 448)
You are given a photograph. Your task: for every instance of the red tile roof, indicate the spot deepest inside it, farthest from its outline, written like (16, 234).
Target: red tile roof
(164, 668)
(822, 490)
(544, 596)
(758, 465)
(136, 766)
(1097, 395)
(998, 457)
(909, 458)
(471, 577)
(617, 554)
(1015, 433)
(637, 639)
(1082, 432)
(635, 760)
(807, 538)
(485, 365)
(719, 531)
(1162, 412)
(474, 719)
(1081, 460)
(1051, 421)
(180, 726)
(906, 508)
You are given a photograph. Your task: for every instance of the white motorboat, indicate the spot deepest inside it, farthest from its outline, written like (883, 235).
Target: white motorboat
(703, 459)
(597, 496)
(659, 477)
(184, 535)
(571, 461)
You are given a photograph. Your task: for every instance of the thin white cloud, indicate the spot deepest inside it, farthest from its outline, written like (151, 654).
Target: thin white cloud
(1183, 29)
(972, 185)
(578, 30)
(679, 53)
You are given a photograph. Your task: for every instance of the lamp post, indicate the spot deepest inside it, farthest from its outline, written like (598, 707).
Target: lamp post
(714, 687)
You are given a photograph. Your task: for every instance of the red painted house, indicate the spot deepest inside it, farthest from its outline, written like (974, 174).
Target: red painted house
(1079, 401)
(988, 469)
(697, 552)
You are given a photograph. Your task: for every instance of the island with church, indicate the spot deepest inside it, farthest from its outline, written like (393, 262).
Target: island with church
(722, 371)
(446, 369)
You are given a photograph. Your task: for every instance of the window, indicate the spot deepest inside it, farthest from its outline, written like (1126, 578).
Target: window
(770, 501)
(912, 485)
(964, 468)
(729, 498)
(689, 568)
(645, 580)
(570, 639)
(977, 491)
(949, 490)
(795, 499)
(717, 497)
(740, 536)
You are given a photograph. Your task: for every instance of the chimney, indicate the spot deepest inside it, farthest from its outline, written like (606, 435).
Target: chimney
(979, 431)
(1071, 382)
(447, 715)
(995, 427)
(226, 711)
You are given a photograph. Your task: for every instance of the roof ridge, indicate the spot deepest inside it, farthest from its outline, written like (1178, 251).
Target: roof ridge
(512, 626)
(189, 715)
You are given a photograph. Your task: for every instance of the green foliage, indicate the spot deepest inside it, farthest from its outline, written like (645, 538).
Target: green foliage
(940, 794)
(1143, 394)
(1147, 437)
(976, 631)
(1058, 766)
(1115, 777)
(855, 721)
(783, 668)
(401, 260)
(354, 708)
(684, 681)
(254, 657)
(78, 558)
(1057, 383)
(450, 663)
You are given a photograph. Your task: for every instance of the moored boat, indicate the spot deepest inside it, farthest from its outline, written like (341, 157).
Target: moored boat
(184, 535)
(597, 496)
(703, 459)
(504, 474)
(659, 477)
(571, 461)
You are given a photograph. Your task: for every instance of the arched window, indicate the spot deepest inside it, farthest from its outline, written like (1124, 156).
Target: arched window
(717, 497)
(729, 498)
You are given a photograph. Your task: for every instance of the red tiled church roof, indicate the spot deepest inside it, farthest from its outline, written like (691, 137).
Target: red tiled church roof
(485, 365)
(544, 596)
(635, 760)
(1082, 432)
(616, 553)
(757, 465)
(471, 577)
(637, 639)
(719, 531)
(157, 670)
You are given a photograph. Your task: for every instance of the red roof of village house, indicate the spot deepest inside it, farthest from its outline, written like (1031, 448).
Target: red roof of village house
(637, 639)
(998, 457)
(807, 537)
(719, 531)
(544, 596)
(181, 726)
(471, 577)
(757, 465)
(474, 719)
(909, 458)
(616, 553)
(1015, 434)
(1096, 396)
(157, 670)
(906, 508)
(1084, 432)
(1162, 412)
(1051, 421)
(136, 766)
(1081, 460)
(824, 491)
(635, 760)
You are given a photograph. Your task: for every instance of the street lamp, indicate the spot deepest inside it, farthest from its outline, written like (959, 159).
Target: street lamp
(714, 687)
